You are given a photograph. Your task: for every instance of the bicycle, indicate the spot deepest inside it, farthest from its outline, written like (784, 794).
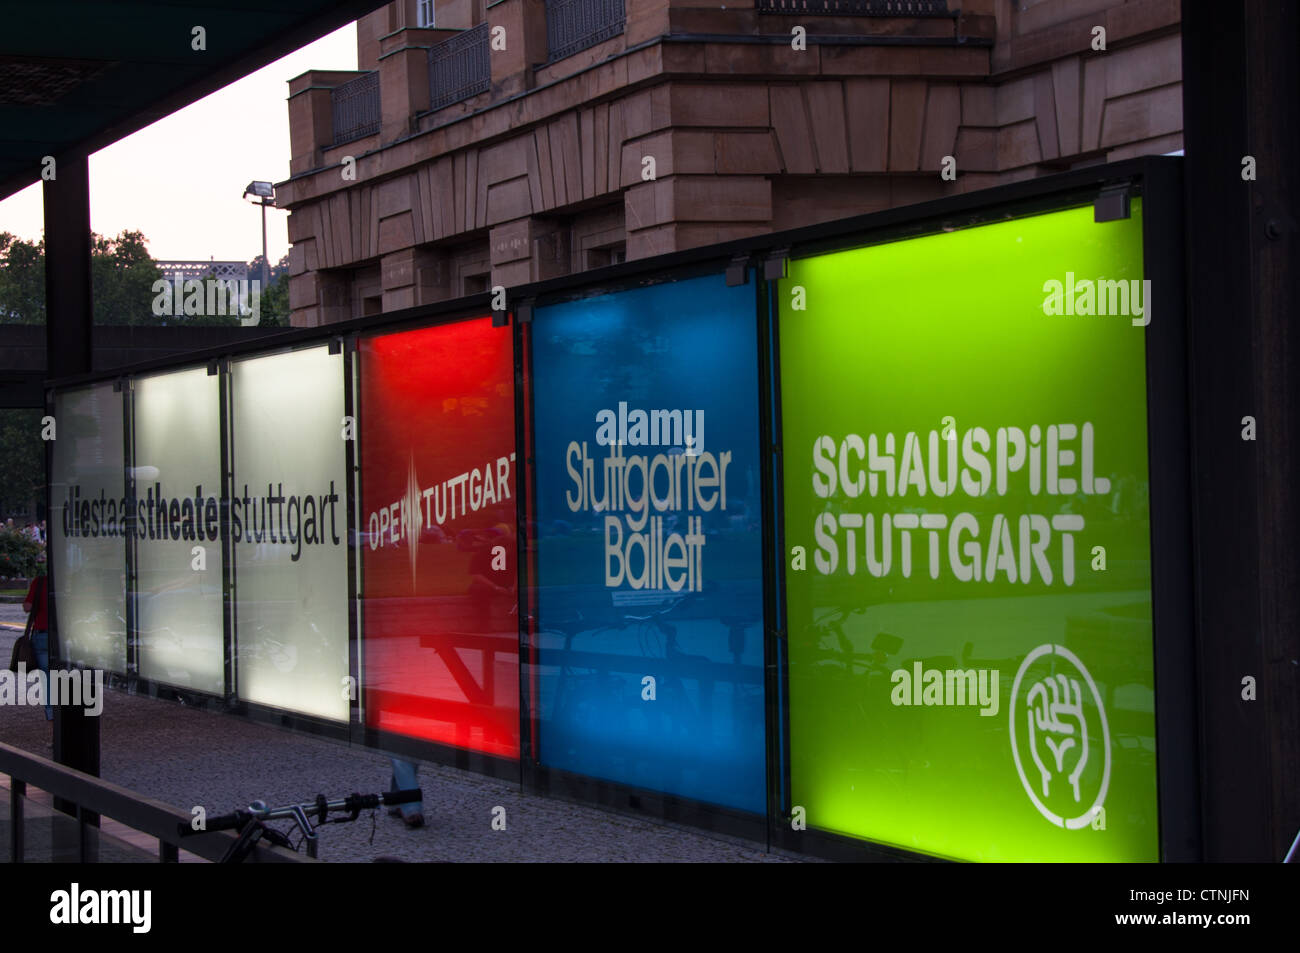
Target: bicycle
(252, 823)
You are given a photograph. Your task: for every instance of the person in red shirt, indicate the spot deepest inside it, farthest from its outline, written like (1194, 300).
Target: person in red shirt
(38, 603)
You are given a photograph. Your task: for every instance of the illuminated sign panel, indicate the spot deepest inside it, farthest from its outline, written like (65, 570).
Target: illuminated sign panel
(87, 527)
(649, 540)
(967, 524)
(289, 531)
(439, 491)
(178, 601)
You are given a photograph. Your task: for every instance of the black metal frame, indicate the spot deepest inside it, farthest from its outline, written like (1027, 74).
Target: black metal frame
(356, 585)
(56, 655)
(575, 25)
(1169, 456)
(774, 649)
(255, 711)
(525, 545)
(227, 543)
(541, 779)
(459, 67)
(1158, 180)
(132, 637)
(131, 677)
(359, 732)
(356, 109)
(854, 8)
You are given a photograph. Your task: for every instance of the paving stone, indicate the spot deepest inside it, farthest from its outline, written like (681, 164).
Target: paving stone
(187, 757)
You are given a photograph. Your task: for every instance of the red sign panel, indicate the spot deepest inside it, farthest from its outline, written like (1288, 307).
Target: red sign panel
(438, 490)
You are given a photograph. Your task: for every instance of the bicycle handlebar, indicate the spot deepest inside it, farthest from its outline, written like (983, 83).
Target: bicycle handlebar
(352, 804)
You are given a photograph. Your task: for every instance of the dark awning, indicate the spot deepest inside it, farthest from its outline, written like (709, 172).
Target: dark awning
(77, 75)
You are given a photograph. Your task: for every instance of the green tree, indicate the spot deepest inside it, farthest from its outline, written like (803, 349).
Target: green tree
(20, 556)
(275, 298)
(122, 275)
(22, 461)
(275, 303)
(22, 280)
(280, 268)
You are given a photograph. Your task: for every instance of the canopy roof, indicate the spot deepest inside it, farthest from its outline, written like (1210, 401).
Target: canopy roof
(77, 75)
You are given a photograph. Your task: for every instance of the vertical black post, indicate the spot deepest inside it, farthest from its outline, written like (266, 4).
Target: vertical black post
(227, 542)
(1177, 743)
(1240, 87)
(17, 791)
(130, 542)
(775, 642)
(525, 544)
(351, 346)
(68, 326)
(768, 452)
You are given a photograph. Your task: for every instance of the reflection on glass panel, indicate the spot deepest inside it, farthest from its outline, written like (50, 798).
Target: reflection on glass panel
(87, 527)
(177, 433)
(288, 514)
(49, 836)
(970, 633)
(649, 600)
(438, 536)
(113, 843)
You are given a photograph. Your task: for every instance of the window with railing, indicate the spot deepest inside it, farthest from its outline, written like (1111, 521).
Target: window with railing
(355, 106)
(865, 8)
(424, 14)
(459, 67)
(574, 25)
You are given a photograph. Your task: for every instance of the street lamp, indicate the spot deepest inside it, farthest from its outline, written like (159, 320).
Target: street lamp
(264, 191)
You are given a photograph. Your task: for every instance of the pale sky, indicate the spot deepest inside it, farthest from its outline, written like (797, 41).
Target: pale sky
(179, 181)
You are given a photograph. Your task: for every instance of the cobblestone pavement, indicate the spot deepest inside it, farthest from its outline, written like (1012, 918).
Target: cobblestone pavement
(12, 612)
(189, 757)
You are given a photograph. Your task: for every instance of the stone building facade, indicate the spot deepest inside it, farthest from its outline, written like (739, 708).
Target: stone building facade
(512, 140)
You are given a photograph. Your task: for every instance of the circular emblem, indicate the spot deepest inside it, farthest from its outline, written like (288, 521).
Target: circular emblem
(1059, 737)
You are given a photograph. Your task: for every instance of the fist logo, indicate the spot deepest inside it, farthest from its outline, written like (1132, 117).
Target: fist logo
(1055, 717)
(1058, 727)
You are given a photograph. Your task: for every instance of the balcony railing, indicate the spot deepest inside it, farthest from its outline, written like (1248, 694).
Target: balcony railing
(574, 25)
(356, 108)
(459, 68)
(860, 8)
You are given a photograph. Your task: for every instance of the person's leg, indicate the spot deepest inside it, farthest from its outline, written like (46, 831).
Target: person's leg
(405, 778)
(41, 643)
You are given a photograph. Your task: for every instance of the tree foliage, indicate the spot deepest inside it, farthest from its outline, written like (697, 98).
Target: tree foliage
(122, 274)
(20, 556)
(22, 280)
(22, 460)
(275, 297)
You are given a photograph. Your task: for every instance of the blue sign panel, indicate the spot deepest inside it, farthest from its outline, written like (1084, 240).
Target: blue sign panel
(649, 557)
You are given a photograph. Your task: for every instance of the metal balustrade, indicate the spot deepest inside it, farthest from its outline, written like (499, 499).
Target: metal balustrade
(459, 67)
(574, 25)
(860, 8)
(31, 831)
(355, 105)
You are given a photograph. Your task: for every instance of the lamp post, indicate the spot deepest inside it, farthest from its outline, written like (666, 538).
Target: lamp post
(263, 194)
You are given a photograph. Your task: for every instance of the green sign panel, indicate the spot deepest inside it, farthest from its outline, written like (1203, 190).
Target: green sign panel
(969, 566)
